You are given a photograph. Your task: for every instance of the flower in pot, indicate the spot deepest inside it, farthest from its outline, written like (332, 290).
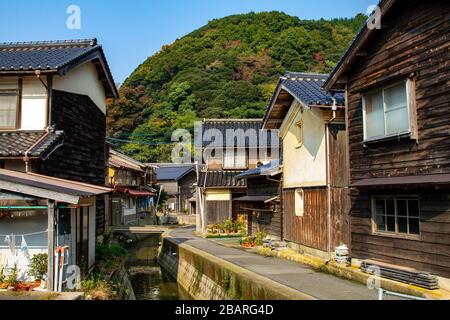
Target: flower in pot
(38, 268)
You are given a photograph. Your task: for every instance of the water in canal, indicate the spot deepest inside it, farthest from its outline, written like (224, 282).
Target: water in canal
(149, 281)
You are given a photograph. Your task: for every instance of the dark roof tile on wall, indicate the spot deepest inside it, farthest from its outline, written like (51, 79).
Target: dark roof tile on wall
(16, 143)
(219, 179)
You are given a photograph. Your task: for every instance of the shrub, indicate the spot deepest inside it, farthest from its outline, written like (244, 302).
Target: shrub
(38, 266)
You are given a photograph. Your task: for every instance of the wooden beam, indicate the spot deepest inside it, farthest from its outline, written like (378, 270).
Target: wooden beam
(38, 192)
(51, 244)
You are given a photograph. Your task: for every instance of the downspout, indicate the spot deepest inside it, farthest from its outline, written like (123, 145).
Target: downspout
(26, 158)
(328, 161)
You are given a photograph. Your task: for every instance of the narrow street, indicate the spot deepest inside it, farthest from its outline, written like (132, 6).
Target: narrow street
(302, 278)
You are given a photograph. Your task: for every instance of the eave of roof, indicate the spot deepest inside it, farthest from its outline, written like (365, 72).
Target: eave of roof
(321, 99)
(350, 53)
(46, 187)
(93, 53)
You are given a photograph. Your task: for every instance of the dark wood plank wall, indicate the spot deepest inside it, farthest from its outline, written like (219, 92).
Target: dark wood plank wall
(83, 156)
(217, 212)
(430, 253)
(261, 186)
(339, 177)
(311, 229)
(186, 189)
(415, 41)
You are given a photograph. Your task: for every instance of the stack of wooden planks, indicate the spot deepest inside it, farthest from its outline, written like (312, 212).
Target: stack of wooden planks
(402, 274)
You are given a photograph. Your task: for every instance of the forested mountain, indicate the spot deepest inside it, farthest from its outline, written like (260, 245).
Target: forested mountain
(228, 68)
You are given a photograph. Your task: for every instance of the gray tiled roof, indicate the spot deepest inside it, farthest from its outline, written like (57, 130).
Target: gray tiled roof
(215, 179)
(172, 172)
(45, 55)
(16, 143)
(210, 127)
(307, 88)
(54, 56)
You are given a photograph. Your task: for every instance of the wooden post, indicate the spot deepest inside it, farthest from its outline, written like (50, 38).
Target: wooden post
(51, 244)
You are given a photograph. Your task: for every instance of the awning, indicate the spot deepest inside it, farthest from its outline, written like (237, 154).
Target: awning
(139, 193)
(437, 179)
(46, 187)
(265, 199)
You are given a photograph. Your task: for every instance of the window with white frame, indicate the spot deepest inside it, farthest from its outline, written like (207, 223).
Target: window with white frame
(9, 109)
(387, 112)
(299, 202)
(396, 215)
(235, 158)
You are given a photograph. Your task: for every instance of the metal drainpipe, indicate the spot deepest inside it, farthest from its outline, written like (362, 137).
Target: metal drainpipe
(26, 159)
(328, 160)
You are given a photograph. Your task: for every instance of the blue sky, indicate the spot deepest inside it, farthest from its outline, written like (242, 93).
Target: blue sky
(130, 31)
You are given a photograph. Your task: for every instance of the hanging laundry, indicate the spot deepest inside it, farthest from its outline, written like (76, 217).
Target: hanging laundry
(24, 248)
(11, 242)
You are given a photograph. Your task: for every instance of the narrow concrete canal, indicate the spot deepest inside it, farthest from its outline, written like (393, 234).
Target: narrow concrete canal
(148, 279)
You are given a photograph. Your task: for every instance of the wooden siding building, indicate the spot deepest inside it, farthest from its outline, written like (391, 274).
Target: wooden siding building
(263, 199)
(229, 147)
(53, 106)
(397, 85)
(314, 184)
(134, 193)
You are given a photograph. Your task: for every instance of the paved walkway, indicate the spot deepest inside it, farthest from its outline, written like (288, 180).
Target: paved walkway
(302, 278)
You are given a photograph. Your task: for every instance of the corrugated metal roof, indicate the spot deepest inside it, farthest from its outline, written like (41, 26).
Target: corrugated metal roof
(216, 179)
(174, 172)
(13, 181)
(272, 168)
(16, 143)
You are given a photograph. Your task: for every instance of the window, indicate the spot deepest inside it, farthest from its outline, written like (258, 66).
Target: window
(299, 133)
(397, 215)
(9, 109)
(235, 159)
(299, 203)
(387, 112)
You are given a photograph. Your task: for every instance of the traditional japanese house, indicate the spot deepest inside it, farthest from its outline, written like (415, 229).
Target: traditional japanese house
(41, 214)
(263, 199)
(53, 152)
(134, 194)
(314, 186)
(397, 84)
(178, 181)
(52, 111)
(229, 147)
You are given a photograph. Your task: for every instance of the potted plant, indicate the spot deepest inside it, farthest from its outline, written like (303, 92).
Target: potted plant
(11, 278)
(38, 268)
(3, 284)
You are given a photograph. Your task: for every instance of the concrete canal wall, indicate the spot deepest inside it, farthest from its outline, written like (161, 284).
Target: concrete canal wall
(206, 277)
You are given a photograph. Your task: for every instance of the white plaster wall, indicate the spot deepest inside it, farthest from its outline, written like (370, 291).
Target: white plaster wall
(83, 80)
(218, 195)
(34, 105)
(305, 166)
(36, 243)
